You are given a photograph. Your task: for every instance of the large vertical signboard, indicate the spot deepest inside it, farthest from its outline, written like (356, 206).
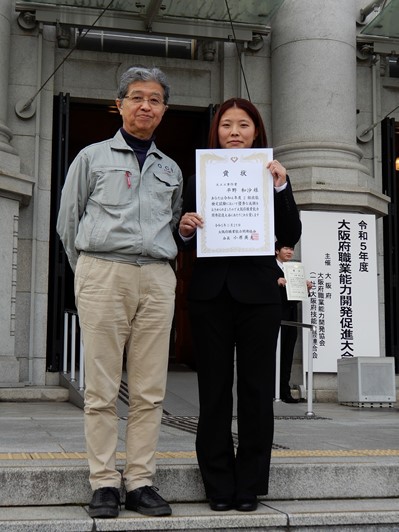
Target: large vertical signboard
(338, 251)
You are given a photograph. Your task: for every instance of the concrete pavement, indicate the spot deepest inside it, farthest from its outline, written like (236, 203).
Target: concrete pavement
(336, 471)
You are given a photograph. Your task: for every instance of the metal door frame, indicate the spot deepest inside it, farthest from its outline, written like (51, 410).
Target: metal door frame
(57, 257)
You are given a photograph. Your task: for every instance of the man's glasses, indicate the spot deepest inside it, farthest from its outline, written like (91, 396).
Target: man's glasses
(136, 99)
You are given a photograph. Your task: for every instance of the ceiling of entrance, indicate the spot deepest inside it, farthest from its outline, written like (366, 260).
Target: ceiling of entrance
(214, 19)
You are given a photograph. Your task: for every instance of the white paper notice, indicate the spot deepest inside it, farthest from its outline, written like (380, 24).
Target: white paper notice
(296, 287)
(235, 197)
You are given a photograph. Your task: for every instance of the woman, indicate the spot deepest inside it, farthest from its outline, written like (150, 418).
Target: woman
(235, 307)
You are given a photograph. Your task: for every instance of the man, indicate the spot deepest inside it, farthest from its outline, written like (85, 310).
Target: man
(288, 335)
(120, 204)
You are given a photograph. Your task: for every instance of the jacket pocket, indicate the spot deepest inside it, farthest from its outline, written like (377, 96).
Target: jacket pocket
(113, 186)
(163, 188)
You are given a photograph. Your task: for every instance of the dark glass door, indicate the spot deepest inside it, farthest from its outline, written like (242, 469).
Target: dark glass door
(391, 239)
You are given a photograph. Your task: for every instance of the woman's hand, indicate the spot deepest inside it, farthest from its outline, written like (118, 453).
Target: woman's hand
(278, 172)
(189, 223)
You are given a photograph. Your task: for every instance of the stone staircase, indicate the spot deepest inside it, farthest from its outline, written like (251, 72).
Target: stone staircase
(320, 490)
(331, 495)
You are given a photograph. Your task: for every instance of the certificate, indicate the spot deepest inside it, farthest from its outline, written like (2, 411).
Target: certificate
(235, 196)
(296, 287)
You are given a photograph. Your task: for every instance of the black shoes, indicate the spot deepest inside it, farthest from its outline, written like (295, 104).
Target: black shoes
(242, 504)
(146, 500)
(247, 504)
(105, 503)
(221, 504)
(289, 399)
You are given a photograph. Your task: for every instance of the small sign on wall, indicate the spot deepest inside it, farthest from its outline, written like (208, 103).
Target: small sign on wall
(339, 254)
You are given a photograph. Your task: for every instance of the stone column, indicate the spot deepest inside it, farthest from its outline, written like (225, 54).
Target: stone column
(9, 365)
(14, 189)
(314, 106)
(9, 156)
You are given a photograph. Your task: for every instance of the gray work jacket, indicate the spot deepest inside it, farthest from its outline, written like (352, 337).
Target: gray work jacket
(111, 210)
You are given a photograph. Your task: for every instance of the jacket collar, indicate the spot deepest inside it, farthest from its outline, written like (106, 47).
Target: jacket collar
(119, 143)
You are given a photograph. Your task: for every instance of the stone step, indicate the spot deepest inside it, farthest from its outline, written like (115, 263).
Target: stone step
(34, 393)
(65, 484)
(322, 477)
(318, 516)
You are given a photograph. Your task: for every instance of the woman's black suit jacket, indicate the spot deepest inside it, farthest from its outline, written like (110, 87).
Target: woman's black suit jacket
(249, 279)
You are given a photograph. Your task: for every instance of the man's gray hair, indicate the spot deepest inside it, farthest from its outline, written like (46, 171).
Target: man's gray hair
(139, 73)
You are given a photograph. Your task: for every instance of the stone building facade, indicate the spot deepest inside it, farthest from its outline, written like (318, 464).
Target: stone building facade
(318, 79)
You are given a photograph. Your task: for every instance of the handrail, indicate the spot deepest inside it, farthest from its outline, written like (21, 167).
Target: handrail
(71, 322)
(309, 390)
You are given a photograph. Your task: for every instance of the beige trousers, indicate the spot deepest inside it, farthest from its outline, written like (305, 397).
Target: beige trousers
(124, 307)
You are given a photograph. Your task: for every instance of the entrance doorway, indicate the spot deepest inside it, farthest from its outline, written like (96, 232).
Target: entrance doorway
(390, 172)
(76, 125)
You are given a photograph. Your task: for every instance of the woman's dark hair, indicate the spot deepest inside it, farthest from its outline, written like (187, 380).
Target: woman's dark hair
(252, 112)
